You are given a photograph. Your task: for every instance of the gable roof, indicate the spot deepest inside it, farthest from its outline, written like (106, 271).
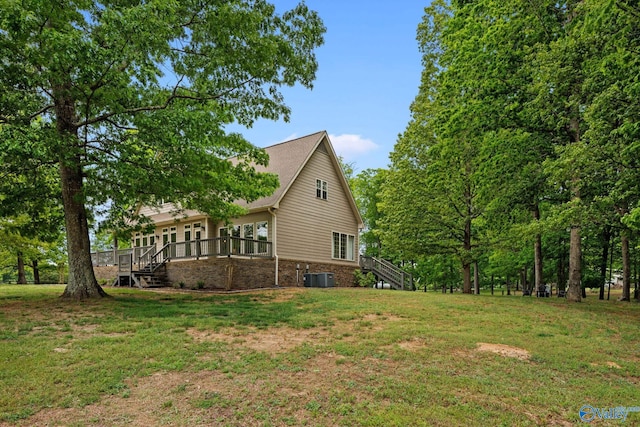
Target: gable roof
(287, 160)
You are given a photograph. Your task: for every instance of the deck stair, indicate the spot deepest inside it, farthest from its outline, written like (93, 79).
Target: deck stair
(153, 275)
(387, 272)
(152, 270)
(149, 270)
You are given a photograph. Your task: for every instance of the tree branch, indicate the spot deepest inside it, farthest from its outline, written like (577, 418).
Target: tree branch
(174, 96)
(117, 157)
(41, 111)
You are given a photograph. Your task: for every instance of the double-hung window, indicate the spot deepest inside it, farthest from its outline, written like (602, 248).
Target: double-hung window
(322, 189)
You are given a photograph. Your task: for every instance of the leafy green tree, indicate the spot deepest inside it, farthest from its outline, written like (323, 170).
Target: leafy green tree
(367, 189)
(613, 115)
(130, 100)
(523, 106)
(30, 211)
(439, 159)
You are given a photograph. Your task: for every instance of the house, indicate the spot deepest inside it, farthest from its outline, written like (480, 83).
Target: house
(310, 224)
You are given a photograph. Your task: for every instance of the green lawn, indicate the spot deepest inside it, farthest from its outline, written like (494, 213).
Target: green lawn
(352, 357)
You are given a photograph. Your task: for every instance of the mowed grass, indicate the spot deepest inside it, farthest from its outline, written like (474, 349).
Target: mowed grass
(344, 357)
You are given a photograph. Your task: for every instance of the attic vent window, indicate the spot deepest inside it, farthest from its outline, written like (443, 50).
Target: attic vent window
(321, 189)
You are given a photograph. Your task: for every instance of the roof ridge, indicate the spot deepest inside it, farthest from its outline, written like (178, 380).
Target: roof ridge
(295, 139)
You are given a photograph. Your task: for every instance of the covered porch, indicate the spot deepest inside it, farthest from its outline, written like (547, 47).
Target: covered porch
(192, 249)
(146, 265)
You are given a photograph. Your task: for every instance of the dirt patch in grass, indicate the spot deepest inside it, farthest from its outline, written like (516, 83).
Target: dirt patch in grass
(204, 398)
(608, 364)
(291, 395)
(381, 318)
(272, 341)
(279, 340)
(413, 345)
(504, 350)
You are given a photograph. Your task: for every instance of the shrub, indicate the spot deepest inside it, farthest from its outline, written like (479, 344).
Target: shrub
(364, 280)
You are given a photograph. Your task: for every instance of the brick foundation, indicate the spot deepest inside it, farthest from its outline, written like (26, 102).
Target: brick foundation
(223, 273)
(240, 273)
(343, 274)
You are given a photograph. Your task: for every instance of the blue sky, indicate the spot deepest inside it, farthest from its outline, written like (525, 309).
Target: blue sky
(369, 72)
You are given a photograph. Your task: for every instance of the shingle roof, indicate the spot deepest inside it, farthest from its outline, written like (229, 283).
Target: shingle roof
(286, 160)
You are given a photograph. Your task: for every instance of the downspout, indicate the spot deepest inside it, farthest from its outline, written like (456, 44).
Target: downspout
(272, 211)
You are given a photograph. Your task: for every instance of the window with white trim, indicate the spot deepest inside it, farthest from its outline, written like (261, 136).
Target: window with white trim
(197, 230)
(248, 234)
(322, 189)
(262, 232)
(144, 240)
(343, 246)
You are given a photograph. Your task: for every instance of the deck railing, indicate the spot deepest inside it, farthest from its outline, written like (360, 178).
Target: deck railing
(388, 272)
(194, 249)
(219, 246)
(111, 257)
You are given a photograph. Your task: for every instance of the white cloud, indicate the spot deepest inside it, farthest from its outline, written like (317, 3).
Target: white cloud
(349, 146)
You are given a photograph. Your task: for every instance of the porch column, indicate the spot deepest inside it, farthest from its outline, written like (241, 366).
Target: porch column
(274, 247)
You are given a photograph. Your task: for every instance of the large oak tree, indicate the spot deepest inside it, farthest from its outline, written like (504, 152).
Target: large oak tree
(129, 100)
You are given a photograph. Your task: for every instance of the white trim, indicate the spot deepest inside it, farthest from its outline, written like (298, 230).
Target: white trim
(253, 230)
(274, 244)
(323, 188)
(349, 255)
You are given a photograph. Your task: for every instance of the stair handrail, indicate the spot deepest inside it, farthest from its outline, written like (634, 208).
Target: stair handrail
(146, 255)
(154, 259)
(391, 272)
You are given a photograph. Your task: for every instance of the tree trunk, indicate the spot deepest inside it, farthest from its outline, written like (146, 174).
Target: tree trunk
(466, 278)
(36, 272)
(82, 282)
(476, 278)
(574, 293)
(635, 275)
(606, 242)
(561, 267)
(537, 254)
(626, 268)
(22, 277)
(466, 264)
(61, 273)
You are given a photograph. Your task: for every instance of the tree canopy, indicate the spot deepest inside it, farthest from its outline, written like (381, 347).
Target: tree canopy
(129, 102)
(524, 133)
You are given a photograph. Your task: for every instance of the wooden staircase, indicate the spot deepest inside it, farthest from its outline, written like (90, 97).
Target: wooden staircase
(387, 272)
(151, 272)
(153, 275)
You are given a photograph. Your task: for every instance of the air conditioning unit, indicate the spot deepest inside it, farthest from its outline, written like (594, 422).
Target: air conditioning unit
(325, 280)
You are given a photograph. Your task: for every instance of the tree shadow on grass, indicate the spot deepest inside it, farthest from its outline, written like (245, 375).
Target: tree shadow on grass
(246, 310)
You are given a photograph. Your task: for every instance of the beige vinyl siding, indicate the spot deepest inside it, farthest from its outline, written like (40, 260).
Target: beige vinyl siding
(306, 223)
(164, 217)
(165, 209)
